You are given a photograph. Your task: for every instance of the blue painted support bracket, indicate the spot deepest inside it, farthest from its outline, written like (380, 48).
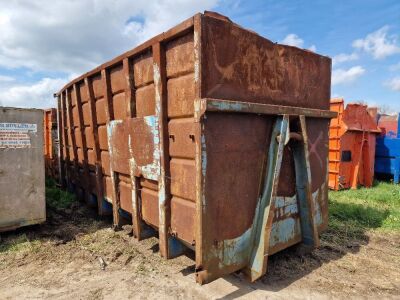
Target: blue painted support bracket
(175, 247)
(305, 202)
(106, 207)
(260, 235)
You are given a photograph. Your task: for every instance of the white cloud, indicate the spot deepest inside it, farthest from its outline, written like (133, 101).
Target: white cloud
(378, 43)
(340, 76)
(72, 37)
(394, 84)
(3, 19)
(38, 94)
(343, 57)
(75, 36)
(293, 40)
(4, 78)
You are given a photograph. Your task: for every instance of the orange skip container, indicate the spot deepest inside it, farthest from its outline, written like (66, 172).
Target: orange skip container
(352, 139)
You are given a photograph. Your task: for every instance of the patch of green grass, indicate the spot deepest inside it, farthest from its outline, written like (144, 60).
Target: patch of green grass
(19, 243)
(366, 208)
(56, 197)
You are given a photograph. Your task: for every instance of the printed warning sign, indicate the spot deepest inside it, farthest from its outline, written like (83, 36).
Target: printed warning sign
(16, 135)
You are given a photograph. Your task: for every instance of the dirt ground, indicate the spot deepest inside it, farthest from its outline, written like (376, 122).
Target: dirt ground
(76, 255)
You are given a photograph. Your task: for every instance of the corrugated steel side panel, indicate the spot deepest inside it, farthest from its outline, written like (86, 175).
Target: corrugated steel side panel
(335, 132)
(50, 147)
(131, 124)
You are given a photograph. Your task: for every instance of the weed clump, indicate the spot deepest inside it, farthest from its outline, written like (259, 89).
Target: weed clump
(57, 198)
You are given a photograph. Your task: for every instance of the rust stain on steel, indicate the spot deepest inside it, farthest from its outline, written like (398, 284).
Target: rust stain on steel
(143, 145)
(93, 125)
(118, 146)
(169, 158)
(136, 141)
(198, 129)
(65, 141)
(228, 254)
(114, 153)
(83, 150)
(60, 161)
(239, 64)
(136, 222)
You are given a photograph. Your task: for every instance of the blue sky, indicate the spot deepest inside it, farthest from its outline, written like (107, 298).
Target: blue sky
(46, 43)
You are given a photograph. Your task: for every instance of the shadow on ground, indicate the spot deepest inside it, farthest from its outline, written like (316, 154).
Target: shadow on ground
(345, 234)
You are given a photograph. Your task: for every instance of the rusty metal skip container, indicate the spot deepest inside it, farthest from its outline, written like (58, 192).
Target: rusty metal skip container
(212, 135)
(50, 147)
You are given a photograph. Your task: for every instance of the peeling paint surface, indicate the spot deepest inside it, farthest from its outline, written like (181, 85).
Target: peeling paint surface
(157, 77)
(227, 105)
(284, 230)
(152, 171)
(288, 225)
(203, 166)
(142, 136)
(317, 207)
(196, 57)
(110, 133)
(233, 251)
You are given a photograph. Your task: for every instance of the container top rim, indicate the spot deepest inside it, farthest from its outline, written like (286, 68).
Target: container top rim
(183, 26)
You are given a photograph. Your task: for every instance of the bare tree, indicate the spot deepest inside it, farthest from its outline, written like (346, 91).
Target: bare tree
(361, 102)
(383, 109)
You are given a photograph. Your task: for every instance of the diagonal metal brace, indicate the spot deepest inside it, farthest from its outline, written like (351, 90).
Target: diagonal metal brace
(309, 230)
(265, 209)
